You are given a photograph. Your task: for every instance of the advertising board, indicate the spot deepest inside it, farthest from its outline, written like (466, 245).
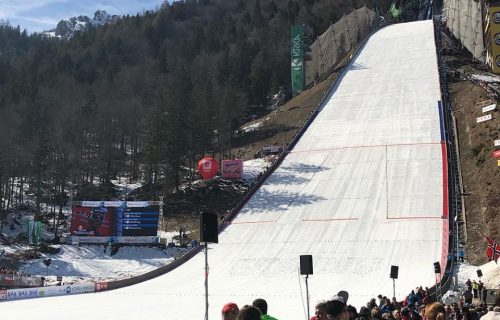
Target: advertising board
(27, 293)
(102, 240)
(3, 294)
(104, 219)
(491, 107)
(100, 286)
(494, 37)
(483, 118)
(232, 169)
(297, 58)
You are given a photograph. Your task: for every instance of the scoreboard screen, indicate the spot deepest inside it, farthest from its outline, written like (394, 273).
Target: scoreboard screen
(137, 221)
(115, 218)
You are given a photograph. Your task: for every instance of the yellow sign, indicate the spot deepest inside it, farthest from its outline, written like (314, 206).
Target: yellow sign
(498, 161)
(494, 37)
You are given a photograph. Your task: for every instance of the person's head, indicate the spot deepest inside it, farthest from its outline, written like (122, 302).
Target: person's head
(465, 313)
(320, 312)
(353, 313)
(364, 312)
(261, 304)
(448, 309)
(336, 309)
(249, 313)
(375, 313)
(415, 315)
(396, 314)
(405, 312)
(230, 311)
(435, 311)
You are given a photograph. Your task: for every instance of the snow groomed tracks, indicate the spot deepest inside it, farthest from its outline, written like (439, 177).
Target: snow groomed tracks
(363, 189)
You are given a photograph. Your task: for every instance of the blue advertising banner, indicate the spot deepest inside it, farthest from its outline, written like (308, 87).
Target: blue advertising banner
(137, 221)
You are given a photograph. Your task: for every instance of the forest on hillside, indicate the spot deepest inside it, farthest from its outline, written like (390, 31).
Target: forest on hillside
(145, 97)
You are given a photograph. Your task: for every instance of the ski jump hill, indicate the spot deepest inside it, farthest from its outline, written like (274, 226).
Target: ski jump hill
(364, 188)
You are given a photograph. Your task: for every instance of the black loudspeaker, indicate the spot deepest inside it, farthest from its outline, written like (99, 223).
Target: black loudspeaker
(394, 272)
(209, 229)
(479, 273)
(437, 267)
(306, 264)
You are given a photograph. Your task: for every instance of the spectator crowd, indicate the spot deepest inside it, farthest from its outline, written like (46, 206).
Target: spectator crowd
(416, 306)
(13, 272)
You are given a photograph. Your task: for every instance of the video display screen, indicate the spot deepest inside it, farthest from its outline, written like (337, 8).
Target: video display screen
(112, 218)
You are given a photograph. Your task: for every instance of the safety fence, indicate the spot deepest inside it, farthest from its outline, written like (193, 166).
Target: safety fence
(464, 19)
(340, 38)
(450, 225)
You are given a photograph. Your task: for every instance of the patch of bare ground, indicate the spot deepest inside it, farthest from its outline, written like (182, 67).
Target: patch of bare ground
(480, 172)
(281, 125)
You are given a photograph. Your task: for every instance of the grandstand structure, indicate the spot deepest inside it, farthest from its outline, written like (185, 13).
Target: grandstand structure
(363, 188)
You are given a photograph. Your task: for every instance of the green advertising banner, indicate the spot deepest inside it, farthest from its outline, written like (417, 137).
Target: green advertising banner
(297, 58)
(34, 231)
(38, 232)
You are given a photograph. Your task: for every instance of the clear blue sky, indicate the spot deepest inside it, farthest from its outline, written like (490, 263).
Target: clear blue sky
(40, 15)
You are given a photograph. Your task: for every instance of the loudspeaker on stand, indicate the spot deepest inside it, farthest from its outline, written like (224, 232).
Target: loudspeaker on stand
(437, 267)
(394, 272)
(209, 228)
(306, 264)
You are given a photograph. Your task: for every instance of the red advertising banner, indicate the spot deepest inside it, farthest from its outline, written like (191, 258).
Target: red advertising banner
(3, 294)
(232, 169)
(496, 154)
(445, 245)
(92, 221)
(100, 286)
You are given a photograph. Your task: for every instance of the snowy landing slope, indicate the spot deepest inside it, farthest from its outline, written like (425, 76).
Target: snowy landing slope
(372, 153)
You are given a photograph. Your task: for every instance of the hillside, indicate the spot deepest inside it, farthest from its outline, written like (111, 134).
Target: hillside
(480, 172)
(277, 127)
(353, 243)
(144, 97)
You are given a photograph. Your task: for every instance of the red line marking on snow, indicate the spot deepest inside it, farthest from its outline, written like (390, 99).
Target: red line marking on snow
(365, 146)
(248, 222)
(332, 219)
